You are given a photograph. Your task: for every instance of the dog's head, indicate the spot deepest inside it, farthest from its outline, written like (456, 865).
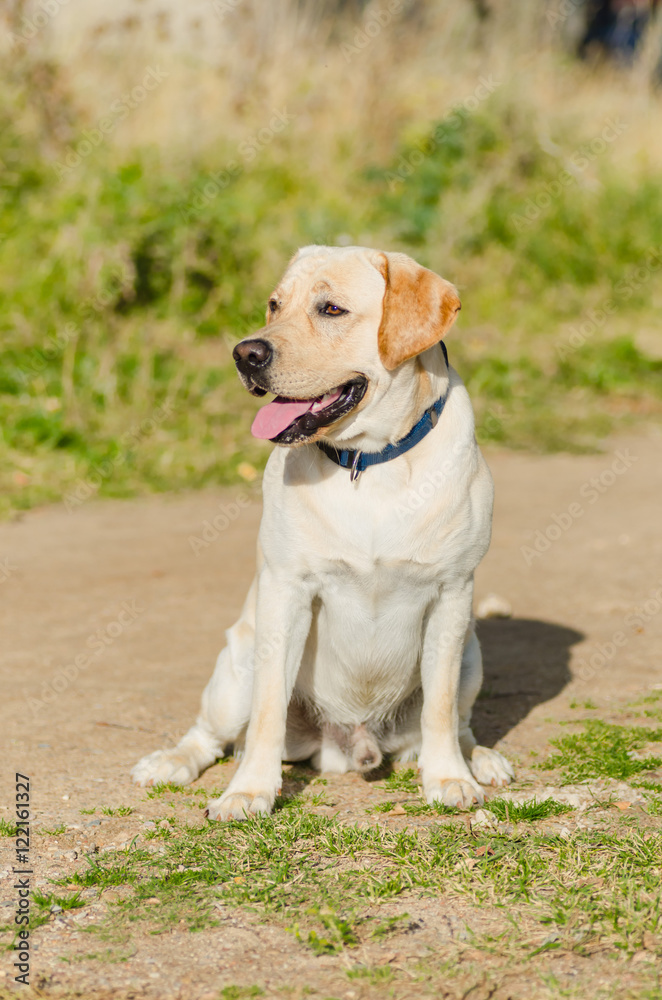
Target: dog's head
(343, 330)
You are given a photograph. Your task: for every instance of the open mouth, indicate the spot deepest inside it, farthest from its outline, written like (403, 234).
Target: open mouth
(291, 421)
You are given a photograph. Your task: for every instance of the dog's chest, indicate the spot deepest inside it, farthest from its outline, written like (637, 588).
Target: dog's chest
(362, 656)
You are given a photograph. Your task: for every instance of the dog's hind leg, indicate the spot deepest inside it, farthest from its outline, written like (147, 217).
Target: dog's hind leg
(226, 703)
(402, 736)
(488, 766)
(303, 734)
(471, 678)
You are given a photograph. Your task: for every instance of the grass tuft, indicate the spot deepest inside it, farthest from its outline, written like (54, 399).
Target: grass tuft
(381, 974)
(339, 933)
(241, 992)
(603, 750)
(157, 791)
(46, 900)
(406, 779)
(57, 831)
(527, 812)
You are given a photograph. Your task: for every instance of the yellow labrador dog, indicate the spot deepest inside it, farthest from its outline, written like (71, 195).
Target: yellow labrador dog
(356, 638)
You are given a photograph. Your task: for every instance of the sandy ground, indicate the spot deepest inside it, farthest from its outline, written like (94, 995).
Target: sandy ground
(119, 583)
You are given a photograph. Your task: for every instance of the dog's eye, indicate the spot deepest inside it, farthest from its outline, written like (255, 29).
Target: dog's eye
(332, 310)
(273, 305)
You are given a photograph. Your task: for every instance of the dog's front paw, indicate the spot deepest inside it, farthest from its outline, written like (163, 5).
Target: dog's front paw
(164, 767)
(489, 767)
(237, 805)
(457, 792)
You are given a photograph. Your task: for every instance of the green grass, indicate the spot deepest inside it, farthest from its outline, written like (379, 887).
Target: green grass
(338, 888)
(7, 829)
(46, 900)
(654, 805)
(116, 810)
(376, 973)
(338, 932)
(503, 809)
(44, 903)
(416, 808)
(651, 706)
(603, 750)
(528, 812)
(330, 874)
(406, 779)
(115, 366)
(158, 791)
(240, 992)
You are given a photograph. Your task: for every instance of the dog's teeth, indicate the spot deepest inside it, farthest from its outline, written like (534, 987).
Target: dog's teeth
(321, 403)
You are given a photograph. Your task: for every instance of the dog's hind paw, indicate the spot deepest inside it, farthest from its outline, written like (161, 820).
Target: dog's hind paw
(164, 767)
(454, 792)
(489, 767)
(236, 805)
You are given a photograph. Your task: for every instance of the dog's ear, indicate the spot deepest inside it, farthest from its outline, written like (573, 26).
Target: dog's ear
(419, 308)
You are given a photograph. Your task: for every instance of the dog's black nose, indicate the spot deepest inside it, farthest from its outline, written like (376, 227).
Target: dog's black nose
(251, 354)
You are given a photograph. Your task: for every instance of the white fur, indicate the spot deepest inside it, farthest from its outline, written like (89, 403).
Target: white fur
(363, 597)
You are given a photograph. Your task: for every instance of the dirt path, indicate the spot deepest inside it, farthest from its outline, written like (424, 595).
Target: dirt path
(120, 584)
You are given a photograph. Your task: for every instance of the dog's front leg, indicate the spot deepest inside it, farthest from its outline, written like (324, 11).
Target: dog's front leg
(446, 776)
(284, 613)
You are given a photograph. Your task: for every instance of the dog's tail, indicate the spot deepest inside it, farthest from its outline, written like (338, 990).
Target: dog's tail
(364, 750)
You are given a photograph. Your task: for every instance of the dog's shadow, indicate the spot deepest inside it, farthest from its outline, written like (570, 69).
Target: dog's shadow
(526, 662)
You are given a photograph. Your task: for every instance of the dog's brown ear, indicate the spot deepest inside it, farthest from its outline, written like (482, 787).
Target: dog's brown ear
(419, 308)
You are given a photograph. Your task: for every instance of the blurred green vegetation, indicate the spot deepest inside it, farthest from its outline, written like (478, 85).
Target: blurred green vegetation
(125, 283)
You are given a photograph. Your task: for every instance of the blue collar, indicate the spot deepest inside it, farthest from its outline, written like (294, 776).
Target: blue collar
(358, 461)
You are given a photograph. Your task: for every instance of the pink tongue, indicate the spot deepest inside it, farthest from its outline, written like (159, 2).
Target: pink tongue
(276, 416)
